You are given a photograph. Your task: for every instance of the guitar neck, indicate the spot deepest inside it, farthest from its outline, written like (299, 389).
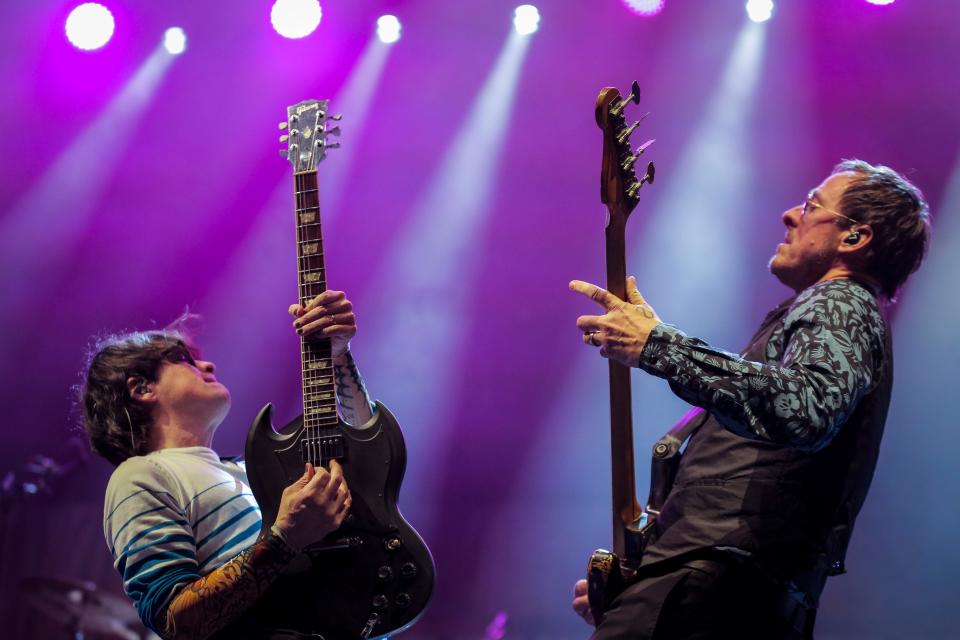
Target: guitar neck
(626, 509)
(319, 396)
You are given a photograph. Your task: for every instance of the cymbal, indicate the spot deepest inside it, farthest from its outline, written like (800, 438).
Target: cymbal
(77, 605)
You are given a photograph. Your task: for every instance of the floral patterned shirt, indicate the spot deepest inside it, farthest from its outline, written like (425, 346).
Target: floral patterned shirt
(825, 356)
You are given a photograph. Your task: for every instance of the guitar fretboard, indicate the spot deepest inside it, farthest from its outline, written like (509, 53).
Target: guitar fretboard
(319, 396)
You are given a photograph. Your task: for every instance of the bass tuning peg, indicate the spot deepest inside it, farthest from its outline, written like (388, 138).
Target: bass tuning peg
(630, 160)
(625, 134)
(634, 188)
(650, 172)
(617, 109)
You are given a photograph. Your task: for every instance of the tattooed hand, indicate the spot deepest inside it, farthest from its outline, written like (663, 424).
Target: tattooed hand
(329, 315)
(314, 505)
(622, 331)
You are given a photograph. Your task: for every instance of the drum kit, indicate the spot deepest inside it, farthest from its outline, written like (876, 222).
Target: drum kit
(82, 611)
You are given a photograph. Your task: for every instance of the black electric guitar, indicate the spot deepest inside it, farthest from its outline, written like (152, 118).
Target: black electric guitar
(608, 573)
(373, 576)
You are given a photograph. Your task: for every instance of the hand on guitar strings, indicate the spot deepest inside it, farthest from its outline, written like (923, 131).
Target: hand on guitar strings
(329, 315)
(314, 505)
(581, 602)
(622, 331)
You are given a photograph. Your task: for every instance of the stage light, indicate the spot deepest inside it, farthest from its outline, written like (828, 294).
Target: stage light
(645, 7)
(388, 29)
(880, 2)
(295, 18)
(175, 41)
(89, 26)
(759, 10)
(526, 19)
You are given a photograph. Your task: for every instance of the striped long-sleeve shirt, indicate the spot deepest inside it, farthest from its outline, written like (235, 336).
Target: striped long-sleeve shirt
(173, 516)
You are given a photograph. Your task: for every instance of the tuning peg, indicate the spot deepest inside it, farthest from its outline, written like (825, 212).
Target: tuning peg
(634, 97)
(284, 138)
(332, 145)
(336, 116)
(283, 153)
(333, 132)
(282, 126)
(625, 134)
(626, 164)
(634, 188)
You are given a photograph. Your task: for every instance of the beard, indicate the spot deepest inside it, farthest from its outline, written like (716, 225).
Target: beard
(800, 271)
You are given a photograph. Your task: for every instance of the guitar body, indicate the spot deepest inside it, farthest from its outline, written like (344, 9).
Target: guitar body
(608, 574)
(373, 575)
(605, 581)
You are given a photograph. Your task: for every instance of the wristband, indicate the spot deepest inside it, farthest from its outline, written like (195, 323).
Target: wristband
(275, 530)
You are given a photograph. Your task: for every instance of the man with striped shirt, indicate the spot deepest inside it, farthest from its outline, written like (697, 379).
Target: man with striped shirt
(181, 523)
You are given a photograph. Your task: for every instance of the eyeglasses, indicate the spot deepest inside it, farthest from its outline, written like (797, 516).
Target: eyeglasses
(810, 204)
(178, 353)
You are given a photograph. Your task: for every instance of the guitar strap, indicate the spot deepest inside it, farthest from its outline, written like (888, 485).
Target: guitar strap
(666, 451)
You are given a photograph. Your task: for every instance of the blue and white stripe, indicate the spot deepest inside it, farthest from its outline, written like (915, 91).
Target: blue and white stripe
(173, 516)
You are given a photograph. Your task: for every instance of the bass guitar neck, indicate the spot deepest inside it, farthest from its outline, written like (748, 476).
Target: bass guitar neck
(609, 572)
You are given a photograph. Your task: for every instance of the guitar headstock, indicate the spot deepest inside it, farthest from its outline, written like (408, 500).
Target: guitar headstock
(619, 184)
(307, 138)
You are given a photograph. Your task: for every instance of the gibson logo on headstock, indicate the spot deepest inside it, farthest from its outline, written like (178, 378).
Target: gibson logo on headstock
(305, 107)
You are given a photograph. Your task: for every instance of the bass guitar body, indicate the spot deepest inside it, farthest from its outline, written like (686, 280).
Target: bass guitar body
(608, 574)
(373, 576)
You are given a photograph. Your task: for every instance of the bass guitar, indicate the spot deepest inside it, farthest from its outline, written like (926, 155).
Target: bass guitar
(373, 576)
(609, 572)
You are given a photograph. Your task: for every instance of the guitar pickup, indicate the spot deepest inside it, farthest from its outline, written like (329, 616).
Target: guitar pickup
(318, 450)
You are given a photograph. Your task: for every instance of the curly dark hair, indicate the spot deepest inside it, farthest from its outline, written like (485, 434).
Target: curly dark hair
(895, 210)
(117, 425)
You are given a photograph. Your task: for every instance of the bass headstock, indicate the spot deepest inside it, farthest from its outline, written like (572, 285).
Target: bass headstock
(307, 143)
(619, 184)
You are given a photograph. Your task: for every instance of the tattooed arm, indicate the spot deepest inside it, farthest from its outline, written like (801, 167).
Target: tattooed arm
(310, 508)
(330, 315)
(204, 607)
(355, 405)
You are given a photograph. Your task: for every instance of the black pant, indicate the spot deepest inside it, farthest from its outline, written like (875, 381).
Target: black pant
(718, 597)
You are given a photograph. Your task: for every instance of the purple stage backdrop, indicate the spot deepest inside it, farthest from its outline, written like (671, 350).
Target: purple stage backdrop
(463, 200)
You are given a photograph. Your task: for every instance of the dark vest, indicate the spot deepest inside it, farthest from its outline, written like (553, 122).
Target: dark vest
(792, 510)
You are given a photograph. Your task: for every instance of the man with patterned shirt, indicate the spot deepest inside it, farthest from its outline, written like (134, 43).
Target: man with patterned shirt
(785, 436)
(181, 523)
